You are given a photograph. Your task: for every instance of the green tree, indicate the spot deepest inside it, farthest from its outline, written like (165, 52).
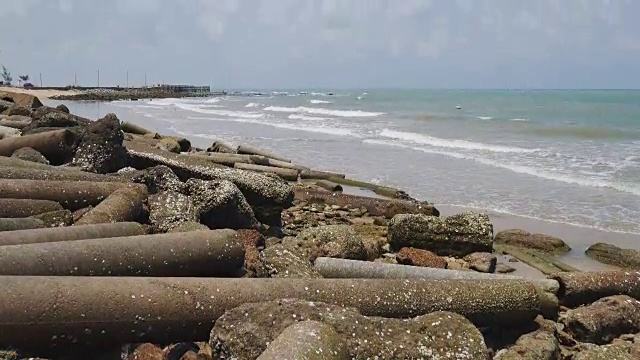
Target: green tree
(23, 78)
(6, 75)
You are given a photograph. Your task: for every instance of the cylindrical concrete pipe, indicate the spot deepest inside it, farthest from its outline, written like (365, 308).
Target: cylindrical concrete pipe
(333, 268)
(226, 159)
(48, 172)
(18, 208)
(8, 132)
(162, 310)
(57, 146)
(261, 160)
(72, 195)
(307, 340)
(133, 128)
(16, 121)
(196, 253)
(13, 162)
(250, 150)
(70, 233)
(221, 147)
(579, 288)
(11, 224)
(286, 174)
(319, 175)
(328, 185)
(122, 205)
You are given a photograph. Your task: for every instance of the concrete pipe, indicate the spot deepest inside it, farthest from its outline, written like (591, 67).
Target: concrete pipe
(221, 147)
(133, 128)
(71, 195)
(57, 146)
(71, 233)
(286, 174)
(197, 253)
(332, 268)
(320, 175)
(580, 288)
(11, 224)
(16, 121)
(250, 150)
(125, 204)
(328, 185)
(57, 310)
(48, 172)
(20, 208)
(225, 159)
(8, 132)
(265, 161)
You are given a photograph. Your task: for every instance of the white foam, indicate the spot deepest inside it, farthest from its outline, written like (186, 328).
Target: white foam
(213, 100)
(451, 143)
(485, 117)
(306, 118)
(313, 101)
(297, 127)
(322, 111)
(520, 169)
(237, 114)
(252, 105)
(518, 119)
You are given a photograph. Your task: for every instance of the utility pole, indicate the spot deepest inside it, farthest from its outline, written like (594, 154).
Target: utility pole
(145, 80)
(98, 77)
(127, 79)
(75, 79)
(40, 79)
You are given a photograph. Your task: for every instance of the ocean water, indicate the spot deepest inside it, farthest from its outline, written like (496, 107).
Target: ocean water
(564, 156)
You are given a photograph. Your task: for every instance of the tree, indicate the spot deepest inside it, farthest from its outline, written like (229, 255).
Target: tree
(23, 78)
(6, 75)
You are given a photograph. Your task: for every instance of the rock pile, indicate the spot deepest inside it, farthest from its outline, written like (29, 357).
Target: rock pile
(118, 242)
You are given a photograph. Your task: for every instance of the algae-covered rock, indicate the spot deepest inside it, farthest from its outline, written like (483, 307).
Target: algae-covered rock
(337, 241)
(539, 345)
(520, 238)
(287, 261)
(188, 226)
(482, 262)
(419, 257)
(169, 209)
(613, 255)
(157, 178)
(456, 235)
(221, 205)
(100, 149)
(169, 144)
(307, 340)
(606, 352)
(244, 332)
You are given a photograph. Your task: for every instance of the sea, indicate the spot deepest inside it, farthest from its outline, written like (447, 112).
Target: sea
(566, 156)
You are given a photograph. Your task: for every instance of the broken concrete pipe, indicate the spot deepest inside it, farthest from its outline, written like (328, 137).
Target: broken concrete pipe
(19, 208)
(72, 195)
(328, 185)
(208, 253)
(57, 146)
(47, 172)
(250, 150)
(114, 310)
(125, 204)
(580, 288)
(71, 233)
(221, 147)
(16, 121)
(286, 174)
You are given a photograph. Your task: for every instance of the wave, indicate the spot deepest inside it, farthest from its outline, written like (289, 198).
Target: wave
(213, 100)
(322, 111)
(451, 143)
(237, 114)
(252, 105)
(520, 169)
(313, 101)
(586, 133)
(518, 119)
(304, 117)
(485, 118)
(315, 129)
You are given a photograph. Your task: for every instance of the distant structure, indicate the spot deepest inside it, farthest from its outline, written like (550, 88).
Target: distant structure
(182, 89)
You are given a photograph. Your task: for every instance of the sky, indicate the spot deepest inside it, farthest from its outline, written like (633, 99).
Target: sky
(259, 44)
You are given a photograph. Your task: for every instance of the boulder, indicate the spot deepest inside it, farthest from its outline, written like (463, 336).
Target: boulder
(185, 144)
(168, 209)
(251, 240)
(63, 108)
(188, 226)
(244, 332)
(101, 150)
(286, 260)
(7, 132)
(30, 154)
(482, 262)
(308, 340)
(221, 205)
(538, 345)
(337, 241)
(146, 352)
(169, 144)
(24, 100)
(603, 320)
(419, 257)
(4, 105)
(157, 178)
(613, 255)
(544, 243)
(457, 235)
(17, 110)
(606, 352)
(52, 118)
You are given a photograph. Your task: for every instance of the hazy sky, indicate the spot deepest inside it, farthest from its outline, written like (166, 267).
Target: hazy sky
(326, 43)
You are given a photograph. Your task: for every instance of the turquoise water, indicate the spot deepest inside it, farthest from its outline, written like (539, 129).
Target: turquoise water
(565, 156)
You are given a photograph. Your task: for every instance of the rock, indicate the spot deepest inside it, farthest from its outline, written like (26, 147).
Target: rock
(251, 240)
(49, 117)
(101, 150)
(158, 178)
(539, 345)
(17, 110)
(76, 215)
(419, 257)
(63, 108)
(338, 241)
(482, 262)
(177, 351)
(604, 320)
(456, 235)
(4, 105)
(504, 268)
(146, 352)
(55, 218)
(8, 132)
(185, 144)
(188, 226)
(168, 209)
(9, 355)
(287, 261)
(380, 221)
(30, 154)
(24, 100)
(169, 144)
(457, 264)
(607, 352)
(520, 238)
(244, 332)
(192, 355)
(221, 205)
(613, 255)
(308, 340)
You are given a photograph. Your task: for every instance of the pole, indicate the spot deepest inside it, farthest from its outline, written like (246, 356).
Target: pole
(127, 78)
(145, 80)
(98, 77)
(40, 79)
(75, 79)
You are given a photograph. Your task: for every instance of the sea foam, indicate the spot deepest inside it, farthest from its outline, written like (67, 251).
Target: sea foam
(322, 111)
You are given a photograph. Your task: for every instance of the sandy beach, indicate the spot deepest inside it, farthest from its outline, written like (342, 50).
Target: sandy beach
(40, 93)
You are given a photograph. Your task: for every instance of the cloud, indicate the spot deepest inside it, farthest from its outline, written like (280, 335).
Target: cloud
(65, 6)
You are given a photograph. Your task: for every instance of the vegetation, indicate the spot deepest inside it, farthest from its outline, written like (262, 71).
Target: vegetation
(23, 79)
(6, 75)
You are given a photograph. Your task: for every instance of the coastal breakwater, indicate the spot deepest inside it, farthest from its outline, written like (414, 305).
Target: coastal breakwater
(132, 93)
(121, 238)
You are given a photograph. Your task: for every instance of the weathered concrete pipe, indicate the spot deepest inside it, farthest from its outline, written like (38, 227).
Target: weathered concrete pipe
(307, 340)
(57, 146)
(580, 288)
(71, 195)
(11, 224)
(16, 121)
(328, 185)
(250, 150)
(221, 147)
(47, 172)
(225, 158)
(133, 128)
(320, 175)
(19, 163)
(332, 268)
(8, 132)
(125, 204)
(286, 174)
(261, 160)
(196, 253)
(20, 208)
(71, 233)
(114, 310)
